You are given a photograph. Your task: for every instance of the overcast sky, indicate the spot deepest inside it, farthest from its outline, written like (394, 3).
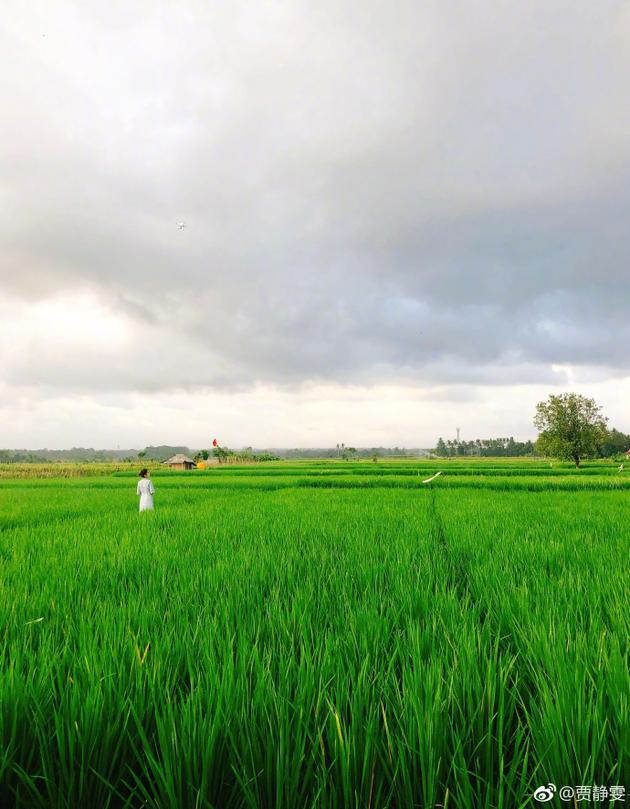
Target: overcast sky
(401, 218)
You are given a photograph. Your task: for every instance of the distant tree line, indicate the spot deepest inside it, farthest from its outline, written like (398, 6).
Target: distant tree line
(90, 455)
(611, 443)
(162, 451)
(615, 443)
(76, 454)
(571, 426)
(342, 452)
(227, 455)
(485, 448)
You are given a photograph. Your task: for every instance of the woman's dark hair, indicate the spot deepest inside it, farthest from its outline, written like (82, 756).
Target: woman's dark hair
(144, 473)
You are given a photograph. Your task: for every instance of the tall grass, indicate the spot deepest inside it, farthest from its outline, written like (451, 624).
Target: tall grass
(300, 646)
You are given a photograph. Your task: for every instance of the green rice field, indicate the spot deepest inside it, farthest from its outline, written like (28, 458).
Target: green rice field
(321, 634)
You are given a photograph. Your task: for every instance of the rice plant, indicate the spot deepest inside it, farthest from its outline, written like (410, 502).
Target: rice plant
(280, 638)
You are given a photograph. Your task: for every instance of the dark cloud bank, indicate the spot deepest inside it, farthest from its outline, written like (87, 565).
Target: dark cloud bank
(372, 191)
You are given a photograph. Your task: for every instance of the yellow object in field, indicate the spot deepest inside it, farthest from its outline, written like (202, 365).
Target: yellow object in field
(201, 465)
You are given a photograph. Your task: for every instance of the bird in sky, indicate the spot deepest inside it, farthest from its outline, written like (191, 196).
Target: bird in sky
(181, 225)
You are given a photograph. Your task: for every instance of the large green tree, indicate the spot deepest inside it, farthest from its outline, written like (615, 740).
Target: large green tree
(571, 427)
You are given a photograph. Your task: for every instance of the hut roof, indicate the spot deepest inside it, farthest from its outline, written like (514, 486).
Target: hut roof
(179, 458)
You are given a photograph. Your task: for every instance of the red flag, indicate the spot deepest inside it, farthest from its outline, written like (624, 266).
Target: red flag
(214, 443)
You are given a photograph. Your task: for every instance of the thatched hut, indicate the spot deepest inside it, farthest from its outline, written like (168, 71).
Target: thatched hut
(180, 462)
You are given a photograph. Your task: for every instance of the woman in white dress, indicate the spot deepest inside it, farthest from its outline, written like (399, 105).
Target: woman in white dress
(145, 491)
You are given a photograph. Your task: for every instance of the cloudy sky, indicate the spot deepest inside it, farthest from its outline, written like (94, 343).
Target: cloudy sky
(401, 217)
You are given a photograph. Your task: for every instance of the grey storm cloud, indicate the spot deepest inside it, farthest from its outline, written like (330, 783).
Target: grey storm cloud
(372, 190)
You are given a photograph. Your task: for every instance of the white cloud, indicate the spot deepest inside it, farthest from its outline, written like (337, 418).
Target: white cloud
(402, 198)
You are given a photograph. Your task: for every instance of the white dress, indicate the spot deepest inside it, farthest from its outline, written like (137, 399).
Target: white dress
(146, 491)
